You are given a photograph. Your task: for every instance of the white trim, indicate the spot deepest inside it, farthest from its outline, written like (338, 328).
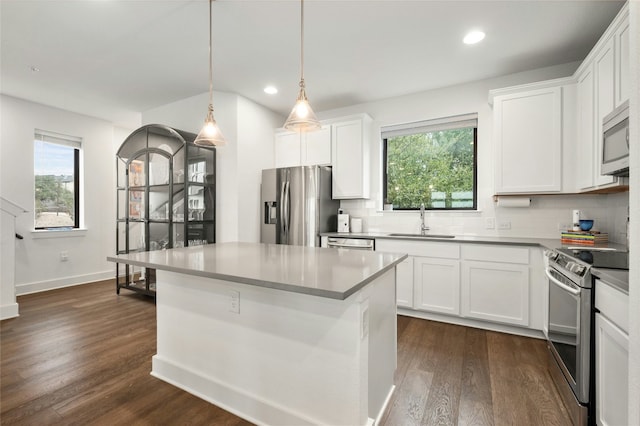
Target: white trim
(58, 139)
(432, 213)
(11, 207)
(384, 407)
(58, 233)
(541, 85)
(225, 395)
(38, 286)
(502, 328)
(9, 311)
(432, 125)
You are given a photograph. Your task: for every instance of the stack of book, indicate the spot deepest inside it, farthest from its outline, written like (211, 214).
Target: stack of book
(584, 237)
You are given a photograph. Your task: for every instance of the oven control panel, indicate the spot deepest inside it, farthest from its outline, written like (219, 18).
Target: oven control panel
(576, 268)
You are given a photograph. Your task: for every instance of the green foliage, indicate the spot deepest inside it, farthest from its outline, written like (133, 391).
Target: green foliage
(431, 168)
(51, 195)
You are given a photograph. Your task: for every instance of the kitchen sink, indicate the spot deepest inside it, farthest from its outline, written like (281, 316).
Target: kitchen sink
(423, 236)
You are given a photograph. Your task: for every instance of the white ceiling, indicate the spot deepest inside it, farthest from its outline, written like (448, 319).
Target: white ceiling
(107, 58)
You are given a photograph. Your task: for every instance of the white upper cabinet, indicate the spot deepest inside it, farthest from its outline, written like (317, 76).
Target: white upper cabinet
(316, 147)
(585, 152)
(548, 135)
(350, 141)
(303, 149)
(604, 102)
(343, 143)
(287, 149)
(621, 37)
(528, 136)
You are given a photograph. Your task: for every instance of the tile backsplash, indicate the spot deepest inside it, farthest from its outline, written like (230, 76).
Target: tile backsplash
(544, 218)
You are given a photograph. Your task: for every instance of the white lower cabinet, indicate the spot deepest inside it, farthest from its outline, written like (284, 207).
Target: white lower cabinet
(404, 283)
(612, 355)
(476, 283)
(437, 285)
(612, 373)
(496, 292)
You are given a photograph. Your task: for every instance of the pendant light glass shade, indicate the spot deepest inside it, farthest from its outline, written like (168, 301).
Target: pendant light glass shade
(210, 135)
(302, 117)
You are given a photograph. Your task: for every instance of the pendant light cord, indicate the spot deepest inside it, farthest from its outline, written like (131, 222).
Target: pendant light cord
(210, 56)
(301, 43)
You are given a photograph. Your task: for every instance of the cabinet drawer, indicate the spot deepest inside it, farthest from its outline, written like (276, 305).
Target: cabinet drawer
(496, 253)
(613, 304)
(420, 248)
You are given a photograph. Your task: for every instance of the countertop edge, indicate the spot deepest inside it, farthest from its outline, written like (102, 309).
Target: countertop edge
(263, 283)
(548, 243)
(611, 277)
(513, 241)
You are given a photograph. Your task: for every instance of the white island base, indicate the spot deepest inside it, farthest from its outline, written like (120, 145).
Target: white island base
(285, 358)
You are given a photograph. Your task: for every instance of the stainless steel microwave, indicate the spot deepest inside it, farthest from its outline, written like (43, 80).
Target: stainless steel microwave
(615, 142)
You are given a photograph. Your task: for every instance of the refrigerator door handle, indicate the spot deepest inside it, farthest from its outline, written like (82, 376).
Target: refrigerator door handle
(287, 209)
(281, 206)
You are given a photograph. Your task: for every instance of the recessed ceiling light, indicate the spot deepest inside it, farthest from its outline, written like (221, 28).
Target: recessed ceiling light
(473, 37)
(270, 90)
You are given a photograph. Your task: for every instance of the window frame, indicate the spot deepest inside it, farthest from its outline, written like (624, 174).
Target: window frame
(76, 144)
(440, 124)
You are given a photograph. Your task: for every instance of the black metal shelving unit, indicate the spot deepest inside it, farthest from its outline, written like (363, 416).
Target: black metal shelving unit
(166, 198)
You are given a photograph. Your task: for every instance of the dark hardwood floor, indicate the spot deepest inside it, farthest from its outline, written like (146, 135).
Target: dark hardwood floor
(82, 356)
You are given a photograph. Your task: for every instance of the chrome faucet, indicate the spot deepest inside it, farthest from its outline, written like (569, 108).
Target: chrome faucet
(423, 227)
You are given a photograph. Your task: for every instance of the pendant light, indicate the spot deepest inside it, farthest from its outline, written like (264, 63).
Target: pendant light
(210, 135)
(302, 117)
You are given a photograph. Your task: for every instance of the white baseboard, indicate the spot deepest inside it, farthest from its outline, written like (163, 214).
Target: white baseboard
(384, 407)
(9, 311)
(484, 325)
(237, 401)
(38, 286)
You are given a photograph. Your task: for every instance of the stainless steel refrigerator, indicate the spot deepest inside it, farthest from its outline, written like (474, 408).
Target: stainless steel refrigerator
(296, 205)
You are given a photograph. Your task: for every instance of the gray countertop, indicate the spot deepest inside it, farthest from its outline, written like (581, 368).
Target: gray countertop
(616, 278)
(550, 243)
(330, 273)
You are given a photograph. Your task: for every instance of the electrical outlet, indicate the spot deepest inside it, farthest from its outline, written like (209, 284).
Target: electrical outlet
(64, 256)
(234, 301)
(504, 224)
(489, 223)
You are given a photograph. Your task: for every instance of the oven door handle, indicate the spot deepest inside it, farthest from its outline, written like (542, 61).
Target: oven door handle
(560, 283)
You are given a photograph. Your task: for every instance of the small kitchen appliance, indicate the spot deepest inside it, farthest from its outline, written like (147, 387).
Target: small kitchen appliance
(615, 142)
(343, 221)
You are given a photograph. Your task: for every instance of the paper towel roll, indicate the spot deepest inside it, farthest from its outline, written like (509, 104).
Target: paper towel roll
(514, 202)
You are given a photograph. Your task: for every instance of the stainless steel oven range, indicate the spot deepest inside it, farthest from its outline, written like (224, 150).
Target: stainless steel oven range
(570, 339)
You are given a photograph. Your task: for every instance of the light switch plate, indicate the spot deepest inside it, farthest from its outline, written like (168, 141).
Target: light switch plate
(234, 301)
(489, 223)
(504, 224)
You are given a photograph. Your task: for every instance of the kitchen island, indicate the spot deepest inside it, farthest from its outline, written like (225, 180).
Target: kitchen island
(277, 334)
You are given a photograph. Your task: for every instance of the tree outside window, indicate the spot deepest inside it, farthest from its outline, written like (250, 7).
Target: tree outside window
(56, 192)
(436, 168)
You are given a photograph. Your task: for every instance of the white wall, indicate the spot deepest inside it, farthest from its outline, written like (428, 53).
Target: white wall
(255, 152)
(248, 129)
(38, 265)
(540, 220)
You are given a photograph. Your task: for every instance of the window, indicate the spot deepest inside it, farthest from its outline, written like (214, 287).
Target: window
(57, 180)
(431, 162)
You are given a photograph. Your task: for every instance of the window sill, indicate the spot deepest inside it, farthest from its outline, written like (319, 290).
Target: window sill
(431, 212)
(58, 233)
